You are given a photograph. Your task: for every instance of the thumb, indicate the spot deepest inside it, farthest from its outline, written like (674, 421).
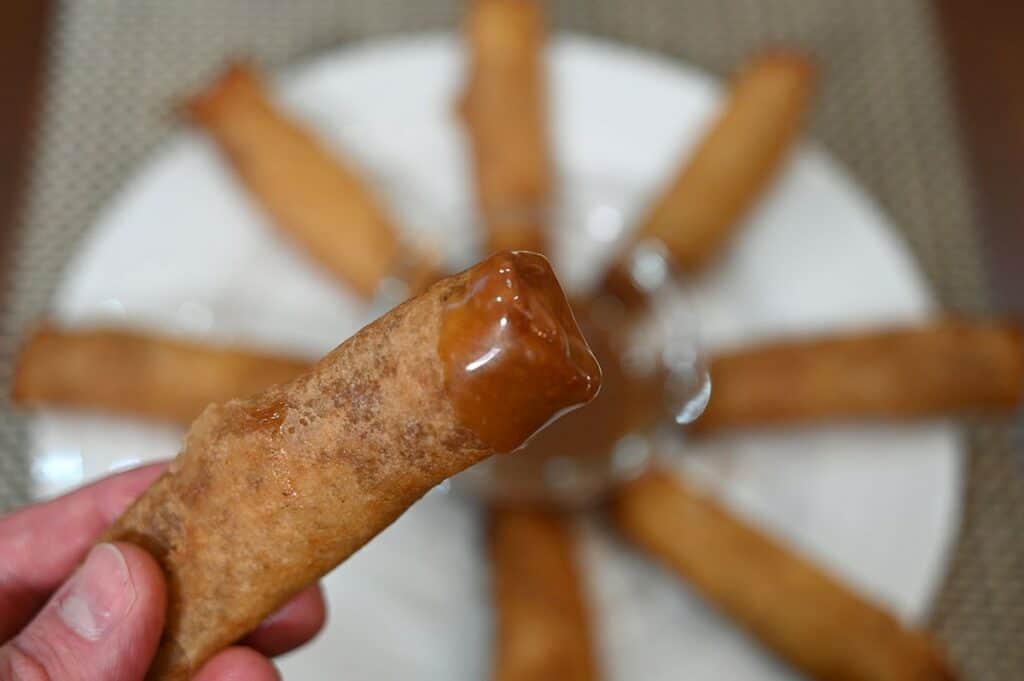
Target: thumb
(103, 624)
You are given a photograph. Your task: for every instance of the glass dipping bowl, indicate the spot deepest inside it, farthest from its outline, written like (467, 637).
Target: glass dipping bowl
(654, 377)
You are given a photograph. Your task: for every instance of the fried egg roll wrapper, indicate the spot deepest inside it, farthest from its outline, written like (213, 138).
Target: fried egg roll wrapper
(271, 492)
(139, 374)
(793, 607)
(543, 624)
(311, 194)
(701, 207)
(735, 160)
(504, 109)
(948, 367)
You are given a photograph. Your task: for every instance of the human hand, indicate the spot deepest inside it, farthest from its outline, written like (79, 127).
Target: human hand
(102, 622)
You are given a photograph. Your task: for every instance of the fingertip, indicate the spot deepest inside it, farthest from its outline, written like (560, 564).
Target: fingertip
(238, 664)
(104, 621)
(293, 625)
(148, 581)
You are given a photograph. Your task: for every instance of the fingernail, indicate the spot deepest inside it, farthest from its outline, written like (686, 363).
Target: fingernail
(99, 594)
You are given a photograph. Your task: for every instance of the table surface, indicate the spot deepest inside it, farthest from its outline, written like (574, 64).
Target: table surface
(985, 54)
(23, 26)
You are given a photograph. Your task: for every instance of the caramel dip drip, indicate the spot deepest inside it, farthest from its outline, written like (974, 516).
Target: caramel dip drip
(514, 356)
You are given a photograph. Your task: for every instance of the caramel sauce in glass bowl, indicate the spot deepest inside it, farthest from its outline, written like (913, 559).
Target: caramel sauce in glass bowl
(653, 382)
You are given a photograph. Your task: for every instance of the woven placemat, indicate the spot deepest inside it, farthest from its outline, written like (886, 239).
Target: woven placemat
(117, 65)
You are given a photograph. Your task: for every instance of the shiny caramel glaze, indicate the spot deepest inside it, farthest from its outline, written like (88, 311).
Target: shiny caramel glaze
(513, 354)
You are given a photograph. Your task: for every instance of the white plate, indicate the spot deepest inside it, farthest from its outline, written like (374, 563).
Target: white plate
(182, 249)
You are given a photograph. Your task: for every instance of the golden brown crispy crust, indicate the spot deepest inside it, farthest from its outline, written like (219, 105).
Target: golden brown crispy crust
(700, 208)
(947, 367)
(140, 374)
(791, 606)
(504, 107)
(543, 626)
(270, 493)
(311, 193)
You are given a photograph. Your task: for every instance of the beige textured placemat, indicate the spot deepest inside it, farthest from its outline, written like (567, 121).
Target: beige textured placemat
(117, 65)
